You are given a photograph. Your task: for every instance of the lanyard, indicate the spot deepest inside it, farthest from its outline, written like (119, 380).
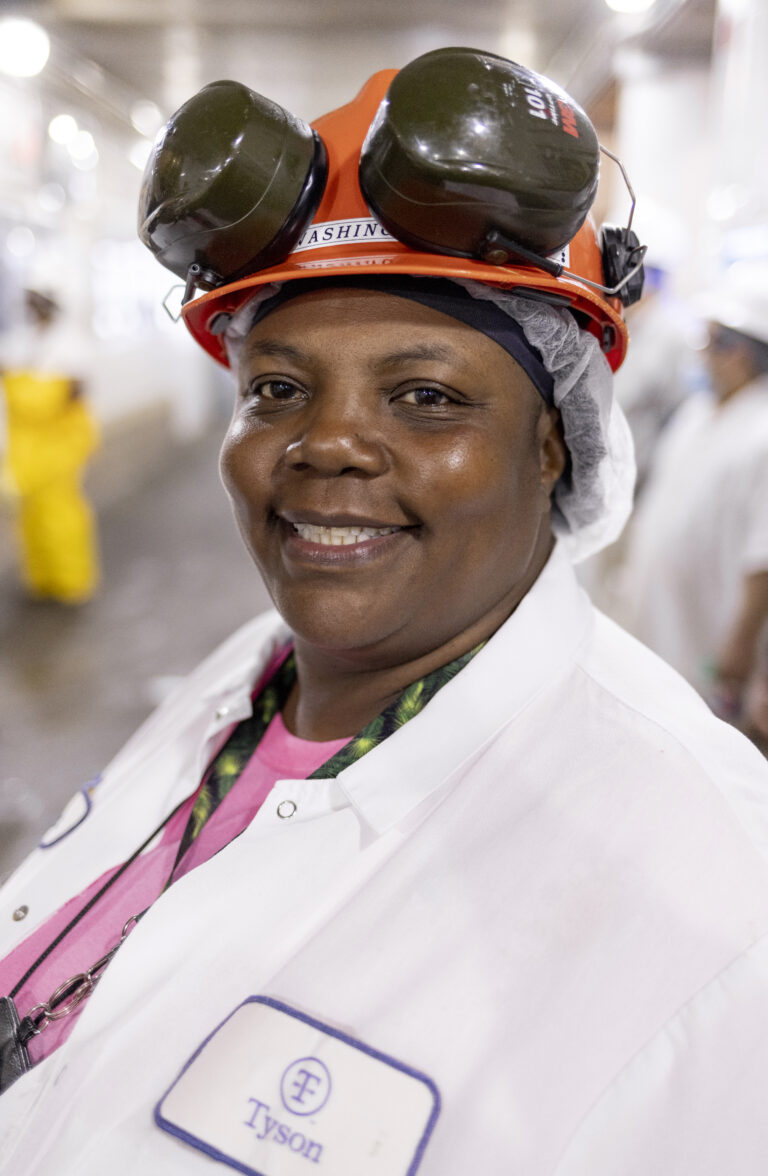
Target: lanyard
(92, 901)
(16, 1032)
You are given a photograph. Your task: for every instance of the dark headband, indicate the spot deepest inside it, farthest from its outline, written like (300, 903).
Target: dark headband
(442, 295)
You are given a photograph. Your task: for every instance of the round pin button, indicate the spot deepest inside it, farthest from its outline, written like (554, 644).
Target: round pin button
(20, 913)
(285, 809)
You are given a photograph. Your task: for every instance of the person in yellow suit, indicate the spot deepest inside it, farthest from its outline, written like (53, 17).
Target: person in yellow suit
(50, 436)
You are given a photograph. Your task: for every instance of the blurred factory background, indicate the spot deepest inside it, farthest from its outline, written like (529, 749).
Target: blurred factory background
(678, 89)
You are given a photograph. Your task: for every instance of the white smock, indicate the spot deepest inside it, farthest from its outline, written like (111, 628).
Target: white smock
(548, 892)
(700, 528)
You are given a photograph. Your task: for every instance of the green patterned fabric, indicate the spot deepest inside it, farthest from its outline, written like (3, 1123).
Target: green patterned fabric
(413, 699)
(226, 767)
(234, 755)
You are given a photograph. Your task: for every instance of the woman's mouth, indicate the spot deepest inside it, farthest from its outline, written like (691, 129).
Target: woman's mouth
(339, 536)
(341, 542)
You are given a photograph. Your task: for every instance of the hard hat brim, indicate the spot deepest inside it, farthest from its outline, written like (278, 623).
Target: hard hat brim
(206, 317)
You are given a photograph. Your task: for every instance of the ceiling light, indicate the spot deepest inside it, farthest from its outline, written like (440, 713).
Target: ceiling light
(88, 162)
(20, 241)
(81, 145)
(51, 197)
(630, 5)
(62, 128)
(24, 47)
(139, 153)
(82, 151)
(146, 117)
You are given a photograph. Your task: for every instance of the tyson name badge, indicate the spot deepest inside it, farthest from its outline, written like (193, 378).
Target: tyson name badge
(273, 1092)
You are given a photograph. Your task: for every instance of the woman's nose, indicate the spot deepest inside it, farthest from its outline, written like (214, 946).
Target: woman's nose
(337, 438)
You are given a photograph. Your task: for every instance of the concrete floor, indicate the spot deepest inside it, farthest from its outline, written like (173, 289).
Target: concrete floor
(74, 683)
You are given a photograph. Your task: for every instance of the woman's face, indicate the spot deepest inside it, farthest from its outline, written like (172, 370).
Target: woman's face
(390, 471)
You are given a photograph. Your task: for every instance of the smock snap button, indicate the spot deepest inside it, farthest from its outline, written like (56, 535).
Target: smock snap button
(20, 913)
(222, 712)
(286, 808)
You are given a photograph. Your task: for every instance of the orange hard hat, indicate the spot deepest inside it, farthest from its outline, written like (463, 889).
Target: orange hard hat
(345, 238)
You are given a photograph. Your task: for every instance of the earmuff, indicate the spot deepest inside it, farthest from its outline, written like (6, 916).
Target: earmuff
(469, 155)
(230, 185)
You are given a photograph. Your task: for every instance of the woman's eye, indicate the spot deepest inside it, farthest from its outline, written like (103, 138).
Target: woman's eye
(273, 390)
(425, 397)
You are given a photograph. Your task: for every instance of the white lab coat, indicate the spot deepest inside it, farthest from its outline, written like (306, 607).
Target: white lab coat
(548, 892)
(701, 526)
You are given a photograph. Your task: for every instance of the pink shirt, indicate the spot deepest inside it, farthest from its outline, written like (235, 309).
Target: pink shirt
(279, 755)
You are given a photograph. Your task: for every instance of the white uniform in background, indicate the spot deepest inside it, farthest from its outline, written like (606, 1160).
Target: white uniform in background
(548, 893)
(656, 375)
(701, 526)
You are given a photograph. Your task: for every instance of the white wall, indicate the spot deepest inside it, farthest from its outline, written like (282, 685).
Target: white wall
(663, 138)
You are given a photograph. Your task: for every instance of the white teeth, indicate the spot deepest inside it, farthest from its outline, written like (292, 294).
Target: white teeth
(339, 536)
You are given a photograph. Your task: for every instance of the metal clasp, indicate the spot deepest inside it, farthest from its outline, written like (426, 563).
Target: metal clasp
(71, 994)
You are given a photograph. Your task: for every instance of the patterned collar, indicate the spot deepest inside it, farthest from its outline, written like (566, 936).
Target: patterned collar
(228, 764)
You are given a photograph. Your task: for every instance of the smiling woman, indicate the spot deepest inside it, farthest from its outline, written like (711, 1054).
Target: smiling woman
(361, 409)
(431, 868)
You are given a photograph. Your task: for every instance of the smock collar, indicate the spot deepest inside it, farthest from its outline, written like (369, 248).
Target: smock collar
(531, 650)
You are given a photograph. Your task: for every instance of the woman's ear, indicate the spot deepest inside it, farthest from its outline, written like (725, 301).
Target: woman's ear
(553, 453)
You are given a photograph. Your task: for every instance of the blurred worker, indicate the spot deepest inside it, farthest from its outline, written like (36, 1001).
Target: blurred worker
(50, 436)
(697, 569)
(655, 379)
(756, 696)
(651, 384)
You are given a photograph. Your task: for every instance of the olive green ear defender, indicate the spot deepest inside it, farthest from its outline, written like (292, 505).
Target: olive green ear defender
(471, 154)
(468, 155)
(230, 185)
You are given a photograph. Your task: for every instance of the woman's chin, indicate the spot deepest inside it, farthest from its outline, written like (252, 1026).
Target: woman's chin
(340, 635)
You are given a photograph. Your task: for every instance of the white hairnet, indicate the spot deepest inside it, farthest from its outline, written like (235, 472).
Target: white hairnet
(593, 498)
